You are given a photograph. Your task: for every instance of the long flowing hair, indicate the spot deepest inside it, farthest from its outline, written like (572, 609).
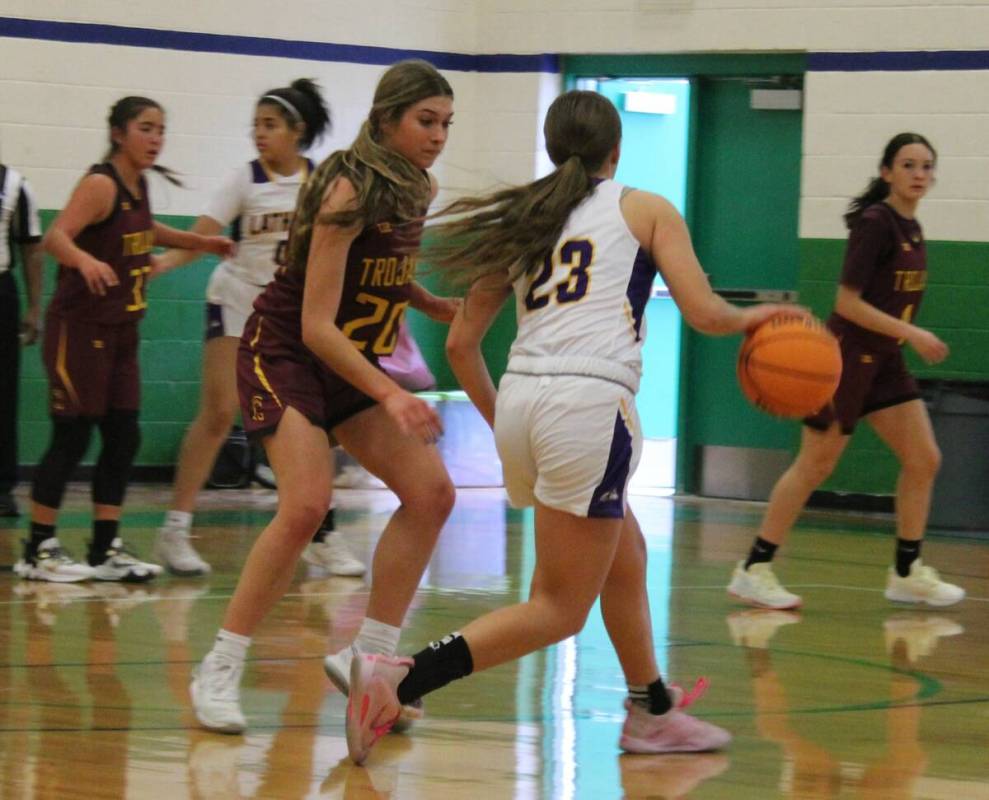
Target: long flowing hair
(122, 112)
(512, 230)
(878, 189)
(388, 186)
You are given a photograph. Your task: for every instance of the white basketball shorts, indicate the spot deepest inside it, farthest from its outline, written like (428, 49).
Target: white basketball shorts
(570, 442)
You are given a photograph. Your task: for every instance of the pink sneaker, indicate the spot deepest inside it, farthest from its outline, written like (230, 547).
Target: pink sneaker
(672, 732)
(373, 705)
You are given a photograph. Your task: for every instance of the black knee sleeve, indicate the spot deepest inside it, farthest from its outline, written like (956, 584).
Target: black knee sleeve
(121, 439)
(70, 438)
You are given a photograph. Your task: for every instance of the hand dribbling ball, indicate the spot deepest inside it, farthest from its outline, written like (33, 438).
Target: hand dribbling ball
(789, 366)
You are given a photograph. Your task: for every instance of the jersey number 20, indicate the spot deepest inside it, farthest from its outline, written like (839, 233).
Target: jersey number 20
(387, 334)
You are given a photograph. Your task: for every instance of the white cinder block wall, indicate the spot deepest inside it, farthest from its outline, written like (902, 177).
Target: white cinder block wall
(848, 118)
(54, 95)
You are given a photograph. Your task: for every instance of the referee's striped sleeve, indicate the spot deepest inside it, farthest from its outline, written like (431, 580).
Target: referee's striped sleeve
(27, 223)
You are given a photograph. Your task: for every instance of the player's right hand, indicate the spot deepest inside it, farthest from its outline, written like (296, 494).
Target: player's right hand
(414, 416)
(99, 276)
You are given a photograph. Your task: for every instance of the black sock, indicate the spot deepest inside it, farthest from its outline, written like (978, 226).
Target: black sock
(654, 698)
(907, 551)
(104, 532)
(659, 697)
(762, 552)
(328, 525)
(435, 666)
(39, 532)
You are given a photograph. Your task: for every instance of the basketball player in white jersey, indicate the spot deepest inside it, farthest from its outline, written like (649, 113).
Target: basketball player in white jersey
(580, 252)
(257, 201)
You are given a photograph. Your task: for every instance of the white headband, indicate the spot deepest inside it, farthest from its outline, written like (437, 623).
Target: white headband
(285, 104)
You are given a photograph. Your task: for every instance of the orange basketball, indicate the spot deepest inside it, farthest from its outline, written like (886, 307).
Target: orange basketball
(789, 366)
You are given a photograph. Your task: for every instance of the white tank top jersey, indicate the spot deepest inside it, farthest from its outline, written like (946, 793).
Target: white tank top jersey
(581, 312)
(258, 204)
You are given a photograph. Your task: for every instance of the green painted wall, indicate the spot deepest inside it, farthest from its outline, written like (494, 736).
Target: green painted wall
(954, 308)
(171, 352)
(171, 348)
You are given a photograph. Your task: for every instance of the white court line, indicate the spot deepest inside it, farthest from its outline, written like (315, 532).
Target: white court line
(718, 587)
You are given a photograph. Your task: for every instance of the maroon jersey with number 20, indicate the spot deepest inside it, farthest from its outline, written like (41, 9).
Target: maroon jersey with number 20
(276, 370)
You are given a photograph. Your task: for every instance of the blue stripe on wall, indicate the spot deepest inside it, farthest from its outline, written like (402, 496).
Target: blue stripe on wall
(90, 33)
(898, 61)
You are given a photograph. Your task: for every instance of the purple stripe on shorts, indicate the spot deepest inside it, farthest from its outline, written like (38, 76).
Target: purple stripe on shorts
(608, 499)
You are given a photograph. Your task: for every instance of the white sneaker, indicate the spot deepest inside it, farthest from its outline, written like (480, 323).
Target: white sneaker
(354, 476)
(922, 585)
(119, 564)
(215, 692)
(758, 586)
(265, 475)
(172, 548)
(333, 556)
(51, 563)
(754, 627)
(337, 668)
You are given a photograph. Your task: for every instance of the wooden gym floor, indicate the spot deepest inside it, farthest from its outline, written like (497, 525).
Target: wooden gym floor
(851, 698)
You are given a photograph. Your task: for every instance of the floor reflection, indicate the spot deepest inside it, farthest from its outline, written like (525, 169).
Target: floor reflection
(850, 698)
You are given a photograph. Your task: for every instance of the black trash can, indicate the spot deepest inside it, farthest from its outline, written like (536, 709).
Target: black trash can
(960, 415)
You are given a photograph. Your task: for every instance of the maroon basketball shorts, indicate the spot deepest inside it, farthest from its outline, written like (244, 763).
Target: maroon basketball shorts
(273, 375)
(91, 367)
(871, 380)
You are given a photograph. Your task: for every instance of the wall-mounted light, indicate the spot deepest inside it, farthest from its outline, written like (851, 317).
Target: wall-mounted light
(649, 102)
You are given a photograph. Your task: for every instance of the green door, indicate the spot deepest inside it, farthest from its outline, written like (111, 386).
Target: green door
(744, 214)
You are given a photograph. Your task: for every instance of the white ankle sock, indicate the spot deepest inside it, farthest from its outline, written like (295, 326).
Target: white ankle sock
(178, 519)
(231, 645)
(377, 638)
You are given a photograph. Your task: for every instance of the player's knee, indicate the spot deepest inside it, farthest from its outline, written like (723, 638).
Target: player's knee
(924, 461)
(570, 620)
(121, 437)
(121, 440)
(70, 439)
(217, 422)
(432, 498)
(815, 468)
(303, 515)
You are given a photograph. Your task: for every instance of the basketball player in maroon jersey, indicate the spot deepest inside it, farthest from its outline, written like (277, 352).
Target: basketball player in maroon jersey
(102, 240)
(882, 284)
(308, 369)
